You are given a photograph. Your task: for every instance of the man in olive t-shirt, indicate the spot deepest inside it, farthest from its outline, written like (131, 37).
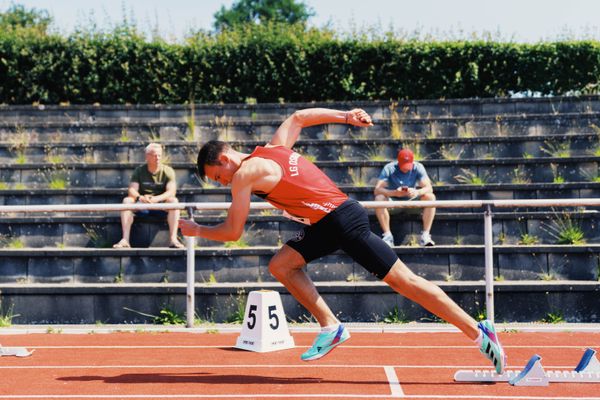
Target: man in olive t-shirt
(151, 183)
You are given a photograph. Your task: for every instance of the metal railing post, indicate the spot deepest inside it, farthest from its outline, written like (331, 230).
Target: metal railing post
(190, 242)
(489, 262)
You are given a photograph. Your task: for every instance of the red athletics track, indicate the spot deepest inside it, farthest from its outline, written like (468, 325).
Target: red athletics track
(204, 365)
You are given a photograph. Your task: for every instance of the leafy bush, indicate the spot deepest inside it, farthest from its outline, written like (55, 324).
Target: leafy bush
(274, 62)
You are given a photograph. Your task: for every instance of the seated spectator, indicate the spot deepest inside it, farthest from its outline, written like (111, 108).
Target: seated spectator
(404, 179)
(151, 183)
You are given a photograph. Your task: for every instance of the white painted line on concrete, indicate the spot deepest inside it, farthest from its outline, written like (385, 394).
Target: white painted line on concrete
(395, 388)
(283, 396)
(229, 346)
(174, 366)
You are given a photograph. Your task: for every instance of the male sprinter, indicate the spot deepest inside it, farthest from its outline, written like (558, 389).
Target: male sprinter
(332, 221)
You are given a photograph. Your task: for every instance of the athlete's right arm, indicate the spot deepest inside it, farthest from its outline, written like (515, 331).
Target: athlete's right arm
(233, 226)
(288, 132)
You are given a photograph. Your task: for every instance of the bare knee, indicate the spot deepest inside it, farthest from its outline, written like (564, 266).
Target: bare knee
(428, 197)
(172, 200)
(284, 261)
(128, 200)
(403, 280)
(380, 197)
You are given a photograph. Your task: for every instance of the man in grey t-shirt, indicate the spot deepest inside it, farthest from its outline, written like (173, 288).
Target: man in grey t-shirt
(150, 183)
(404, 179)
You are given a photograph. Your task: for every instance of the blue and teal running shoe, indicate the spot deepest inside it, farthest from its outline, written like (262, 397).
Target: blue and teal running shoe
(325, 342)
(491, 347)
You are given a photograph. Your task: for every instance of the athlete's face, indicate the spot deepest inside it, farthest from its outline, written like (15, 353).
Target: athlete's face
(221, 173)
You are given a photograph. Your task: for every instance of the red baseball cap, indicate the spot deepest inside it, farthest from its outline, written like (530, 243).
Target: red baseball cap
(405, 157)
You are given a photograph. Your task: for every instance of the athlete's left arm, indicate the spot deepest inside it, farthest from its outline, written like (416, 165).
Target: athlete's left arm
(288, 132)
(233, 226)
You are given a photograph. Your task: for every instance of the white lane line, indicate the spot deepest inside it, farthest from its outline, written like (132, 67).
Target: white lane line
(229, 346)
(392, 378)
(173, 366)
(284, 396)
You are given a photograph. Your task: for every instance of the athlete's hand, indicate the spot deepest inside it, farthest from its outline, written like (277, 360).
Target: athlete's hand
(359, 117)
(188, 227)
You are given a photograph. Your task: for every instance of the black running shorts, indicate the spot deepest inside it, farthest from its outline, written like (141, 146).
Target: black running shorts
(346, 228)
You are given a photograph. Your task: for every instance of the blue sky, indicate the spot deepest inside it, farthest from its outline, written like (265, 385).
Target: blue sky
(519, 20)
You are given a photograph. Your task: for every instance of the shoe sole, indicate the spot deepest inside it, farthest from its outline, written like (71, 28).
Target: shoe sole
(319, 355)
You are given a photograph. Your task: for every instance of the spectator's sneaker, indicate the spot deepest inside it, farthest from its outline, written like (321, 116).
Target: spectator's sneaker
(491, 347)
(388, 238)
(325, 342)
(426, 239)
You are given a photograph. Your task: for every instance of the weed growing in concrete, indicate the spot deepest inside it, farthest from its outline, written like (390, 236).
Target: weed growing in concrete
(557, 149)
(96, 237)
(124, 138)
(520, 176)
(557, 178)
(526, 155)
(553, 318)
(451, 152)
(395, 316)
(469, 177)
(119, 278)
(356, 178)
(191, 123)
(19, 144)
(167, 316)
(7, 316)
(565, 229)
(354, 278)
(237, 317)
(480, 315)
(375, 153)
(395, 126)
(590, 176)
(527, 239)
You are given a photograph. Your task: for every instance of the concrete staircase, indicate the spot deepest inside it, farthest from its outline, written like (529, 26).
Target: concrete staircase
(59, 268)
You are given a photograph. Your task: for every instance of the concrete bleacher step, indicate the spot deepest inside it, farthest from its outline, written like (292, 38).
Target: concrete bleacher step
(90, 195)
(106, 303)
(262, 130)
(320, 149)
(356, 173)
(231, 265)
(464, 228)
(379, 109)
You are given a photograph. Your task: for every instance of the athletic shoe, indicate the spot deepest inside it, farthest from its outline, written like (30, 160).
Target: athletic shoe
(388, 238)
(491, 347)
(325, 342)
(426, 239)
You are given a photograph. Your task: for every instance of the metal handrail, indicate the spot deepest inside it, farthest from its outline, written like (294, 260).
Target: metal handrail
(486, 205)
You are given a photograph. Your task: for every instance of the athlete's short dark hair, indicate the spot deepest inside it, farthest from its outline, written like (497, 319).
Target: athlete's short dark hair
(209, 155)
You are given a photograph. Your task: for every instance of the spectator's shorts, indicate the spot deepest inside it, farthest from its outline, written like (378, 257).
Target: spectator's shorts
(151, 213)
(346, 228)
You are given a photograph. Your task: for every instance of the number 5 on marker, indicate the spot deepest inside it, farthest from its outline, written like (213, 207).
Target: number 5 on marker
(252, 316)
(264, 327)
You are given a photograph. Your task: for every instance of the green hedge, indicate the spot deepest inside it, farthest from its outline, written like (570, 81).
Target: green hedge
(277, 64)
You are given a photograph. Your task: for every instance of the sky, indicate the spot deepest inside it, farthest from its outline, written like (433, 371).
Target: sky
(516, 20)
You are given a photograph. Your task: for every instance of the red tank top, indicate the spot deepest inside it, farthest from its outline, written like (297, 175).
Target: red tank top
(304, 191)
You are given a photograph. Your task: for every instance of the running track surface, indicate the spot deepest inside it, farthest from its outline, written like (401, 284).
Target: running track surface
(205, 365)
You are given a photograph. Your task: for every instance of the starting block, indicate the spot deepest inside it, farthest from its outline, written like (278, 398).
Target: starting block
(15, 351)
(265, 327)
(587, 371)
